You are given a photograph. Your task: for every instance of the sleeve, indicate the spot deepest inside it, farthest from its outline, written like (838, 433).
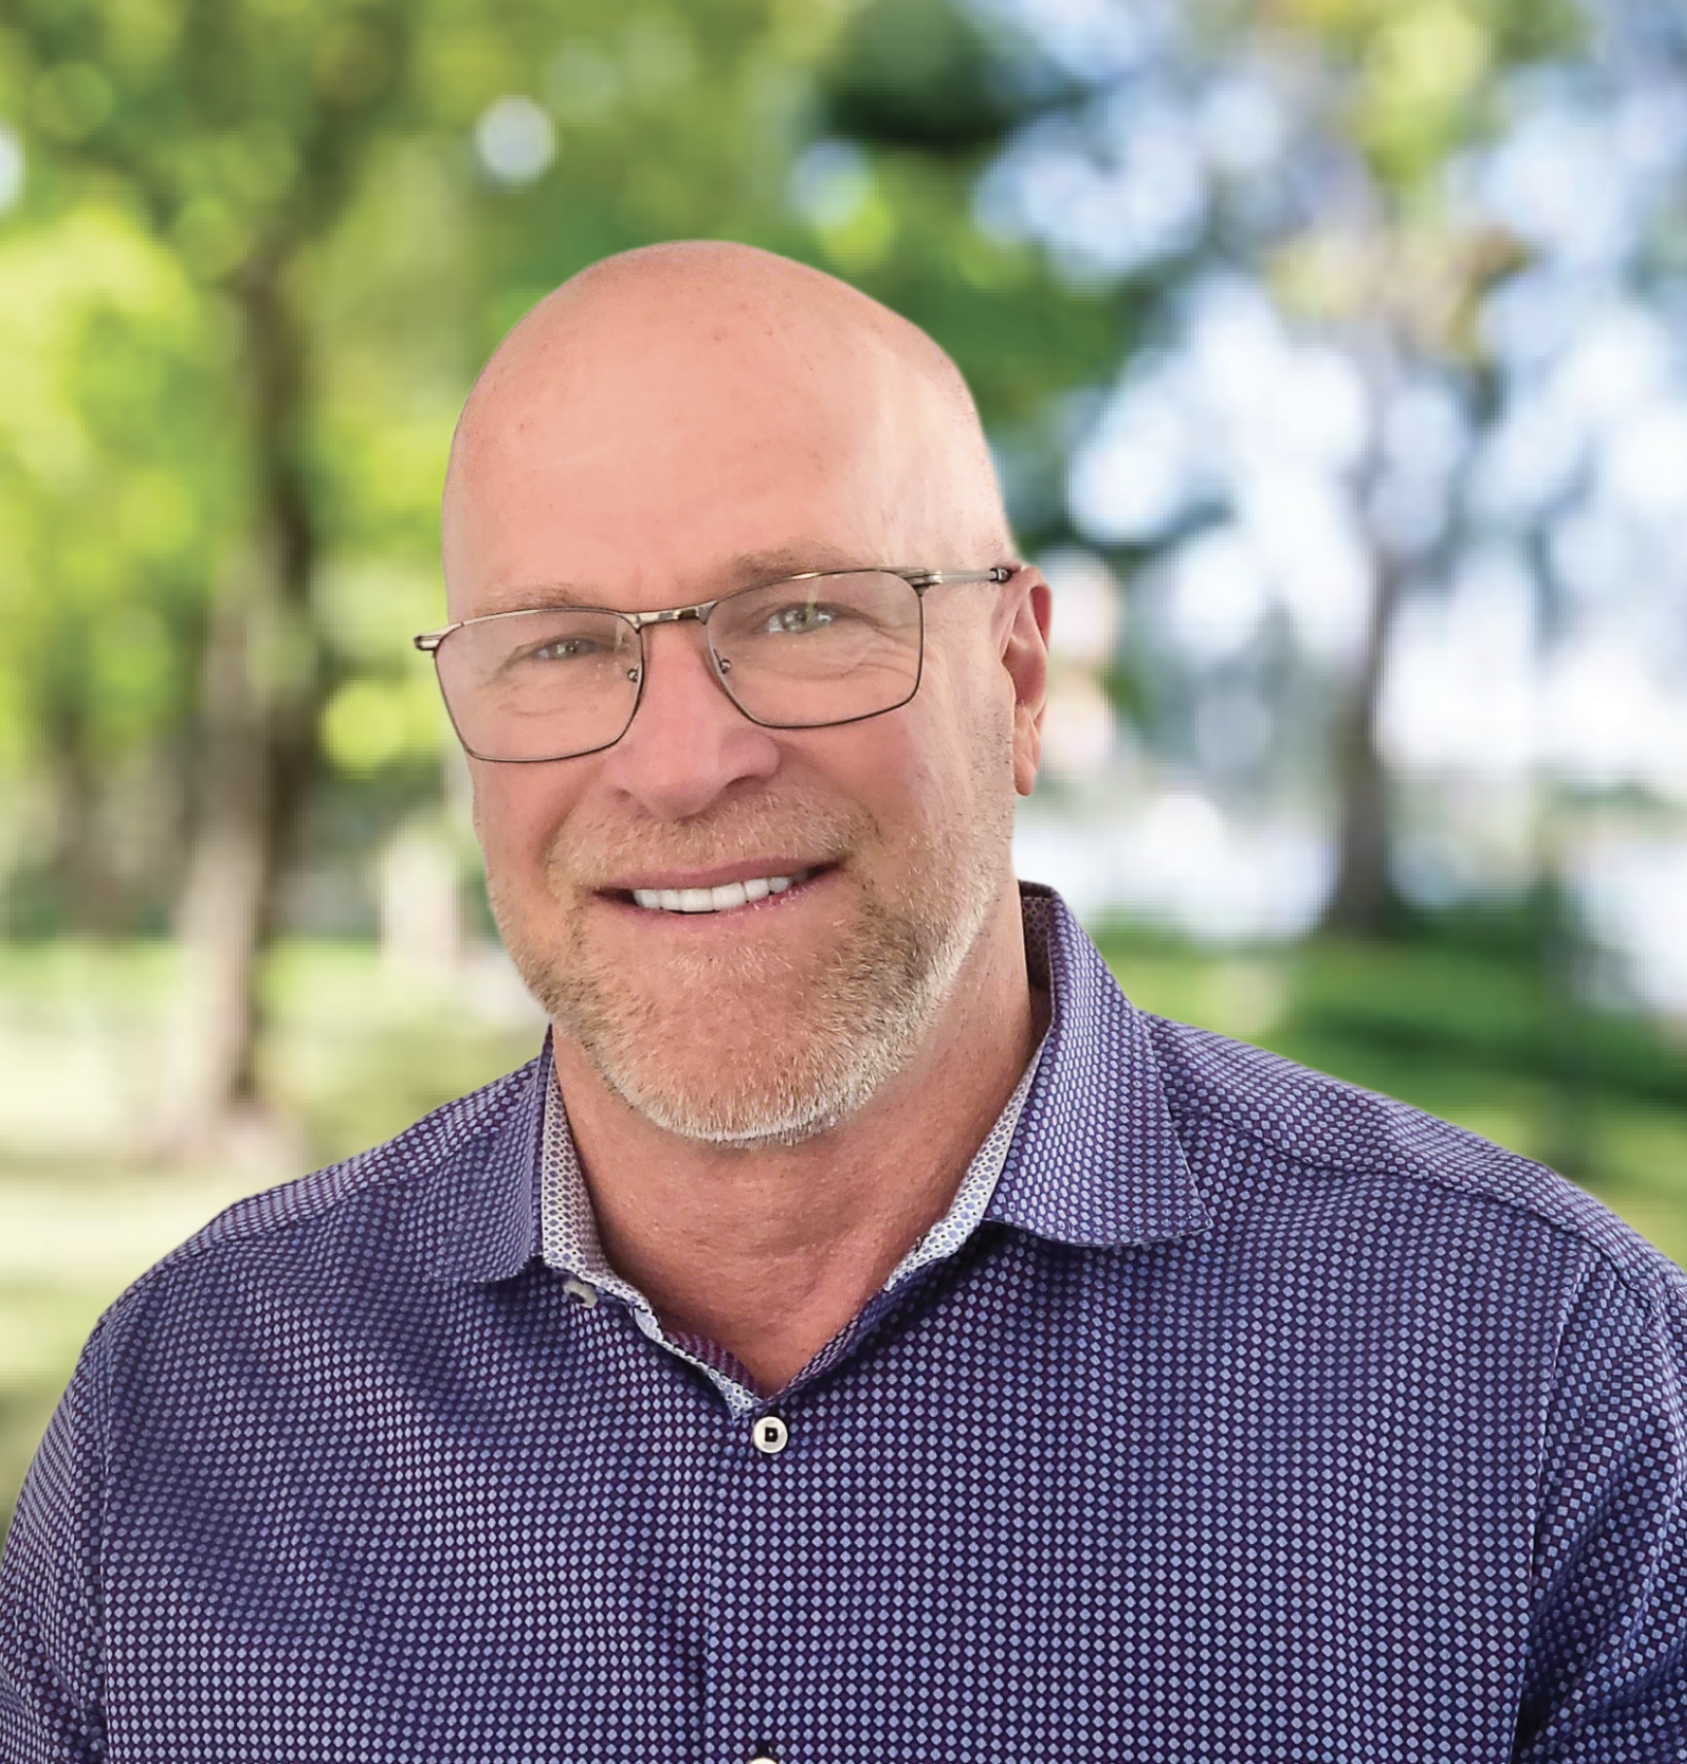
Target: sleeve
(51, 1640)
(1606, 1673)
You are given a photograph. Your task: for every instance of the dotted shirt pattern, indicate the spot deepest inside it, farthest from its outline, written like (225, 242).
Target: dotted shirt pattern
(1258, 1418)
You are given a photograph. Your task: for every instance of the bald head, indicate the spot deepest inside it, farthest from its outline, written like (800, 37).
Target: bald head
(698, 400)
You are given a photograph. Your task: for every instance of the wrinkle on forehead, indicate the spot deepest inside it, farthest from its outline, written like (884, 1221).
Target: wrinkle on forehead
(732, 350)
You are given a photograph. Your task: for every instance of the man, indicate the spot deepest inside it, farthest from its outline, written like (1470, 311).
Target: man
(861, 1334)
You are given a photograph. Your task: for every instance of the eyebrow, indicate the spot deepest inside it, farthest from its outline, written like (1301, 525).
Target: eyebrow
(749, 569)
(773, 565)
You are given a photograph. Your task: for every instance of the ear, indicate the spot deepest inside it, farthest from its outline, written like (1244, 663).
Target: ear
(1027, 606)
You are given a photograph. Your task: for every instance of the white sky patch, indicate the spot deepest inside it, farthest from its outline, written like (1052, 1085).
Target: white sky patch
(829, 183)
(1595, 558)
(1242, 127)
(1303, 530)
(516, 139)
(1553, 181)
(1460, 696)
(1610, 721)
(1621, 362)
(1175, 858)
(1645, 471)
(1217, 596)
(1106, 194)
(1140, 471)
(1630, 892)
(11, 169)
(1233, 400)
(1526, 468)
(1094, 40)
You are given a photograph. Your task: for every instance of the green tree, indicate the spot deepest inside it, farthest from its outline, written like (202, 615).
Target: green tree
(350, 201)
(1392, 269)
(1348, 220)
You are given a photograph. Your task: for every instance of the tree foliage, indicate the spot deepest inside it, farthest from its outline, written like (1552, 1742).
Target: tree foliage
(262, 247)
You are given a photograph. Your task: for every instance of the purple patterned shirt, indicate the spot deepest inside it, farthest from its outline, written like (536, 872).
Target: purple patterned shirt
(1257, 1418)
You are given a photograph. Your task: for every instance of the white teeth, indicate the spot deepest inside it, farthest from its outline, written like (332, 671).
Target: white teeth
(714, 900)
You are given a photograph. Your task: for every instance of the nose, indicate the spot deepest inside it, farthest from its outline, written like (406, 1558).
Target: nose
(689, 744)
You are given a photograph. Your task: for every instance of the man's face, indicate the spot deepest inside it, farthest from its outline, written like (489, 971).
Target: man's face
(767, 1021)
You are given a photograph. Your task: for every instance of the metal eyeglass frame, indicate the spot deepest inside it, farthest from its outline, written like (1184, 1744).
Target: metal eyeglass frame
(918, 579)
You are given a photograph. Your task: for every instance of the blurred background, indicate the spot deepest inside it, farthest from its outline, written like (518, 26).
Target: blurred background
(1335, 357)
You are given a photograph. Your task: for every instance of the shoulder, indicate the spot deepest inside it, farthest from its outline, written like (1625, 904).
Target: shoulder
(377, 1204)
(1324, 1128)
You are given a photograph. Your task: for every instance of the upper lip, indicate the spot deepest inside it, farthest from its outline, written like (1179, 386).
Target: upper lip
(716, 876)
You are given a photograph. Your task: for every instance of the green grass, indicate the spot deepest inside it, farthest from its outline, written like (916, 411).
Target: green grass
(86, 1062)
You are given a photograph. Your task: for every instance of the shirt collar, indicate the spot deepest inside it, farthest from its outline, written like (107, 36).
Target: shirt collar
(1095, 1158)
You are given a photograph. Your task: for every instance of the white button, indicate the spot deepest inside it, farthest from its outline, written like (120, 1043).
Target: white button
(771, 1437)
(763, 1757)
(587, 1295)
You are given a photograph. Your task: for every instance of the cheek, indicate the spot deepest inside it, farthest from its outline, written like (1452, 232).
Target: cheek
(517, 813)
(910, 770)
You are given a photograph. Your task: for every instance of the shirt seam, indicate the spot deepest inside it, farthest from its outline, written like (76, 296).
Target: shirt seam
(1638, 1281)
(366, 1171)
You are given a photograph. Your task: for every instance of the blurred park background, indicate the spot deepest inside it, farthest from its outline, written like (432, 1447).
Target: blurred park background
(1335, 357)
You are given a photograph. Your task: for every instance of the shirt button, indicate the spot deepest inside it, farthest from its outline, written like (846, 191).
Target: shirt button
(763, 1756)
(770, 1436)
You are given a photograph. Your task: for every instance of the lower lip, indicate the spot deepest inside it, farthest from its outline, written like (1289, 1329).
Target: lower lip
(729, 915)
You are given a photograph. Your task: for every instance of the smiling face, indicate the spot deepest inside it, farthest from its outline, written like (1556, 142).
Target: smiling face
(744, 931)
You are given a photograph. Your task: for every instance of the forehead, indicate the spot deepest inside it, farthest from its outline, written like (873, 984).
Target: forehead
(672, 473)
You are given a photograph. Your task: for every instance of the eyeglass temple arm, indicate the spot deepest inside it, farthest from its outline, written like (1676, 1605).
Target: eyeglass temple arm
(920, 579)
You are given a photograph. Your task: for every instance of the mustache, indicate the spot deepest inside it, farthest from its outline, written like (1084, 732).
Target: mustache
(600, 851)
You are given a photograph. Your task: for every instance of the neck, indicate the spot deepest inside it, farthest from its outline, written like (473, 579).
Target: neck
(770, 1252)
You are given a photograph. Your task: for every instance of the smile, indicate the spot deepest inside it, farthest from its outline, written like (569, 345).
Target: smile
(716, 900)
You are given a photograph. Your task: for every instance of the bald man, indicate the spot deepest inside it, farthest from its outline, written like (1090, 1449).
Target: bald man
(860, 1334)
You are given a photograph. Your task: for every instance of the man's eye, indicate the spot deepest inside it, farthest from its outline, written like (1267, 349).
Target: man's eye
(566, 649)
(797, 621)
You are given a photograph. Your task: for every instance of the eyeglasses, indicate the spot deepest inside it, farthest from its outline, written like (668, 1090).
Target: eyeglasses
(556, 682)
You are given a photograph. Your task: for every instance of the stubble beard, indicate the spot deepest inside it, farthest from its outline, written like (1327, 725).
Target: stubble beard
(705, 1063)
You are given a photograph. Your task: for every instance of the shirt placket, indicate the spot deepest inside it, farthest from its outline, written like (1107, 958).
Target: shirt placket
(752, 1613)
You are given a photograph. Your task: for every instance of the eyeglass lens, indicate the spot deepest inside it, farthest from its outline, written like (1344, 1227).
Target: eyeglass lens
(559, 681)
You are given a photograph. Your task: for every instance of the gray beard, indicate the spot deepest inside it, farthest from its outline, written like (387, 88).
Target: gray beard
(706, 1064)
(867, 1009)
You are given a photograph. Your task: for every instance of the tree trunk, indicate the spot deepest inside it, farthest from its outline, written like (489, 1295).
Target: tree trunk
(79, 875)
(260, 699)
(1363, 902)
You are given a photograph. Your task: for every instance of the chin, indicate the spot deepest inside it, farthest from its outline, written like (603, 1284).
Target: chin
(766, 1091)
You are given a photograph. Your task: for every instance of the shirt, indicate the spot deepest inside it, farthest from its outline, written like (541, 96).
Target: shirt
(1259, 1418)
(568, 1241)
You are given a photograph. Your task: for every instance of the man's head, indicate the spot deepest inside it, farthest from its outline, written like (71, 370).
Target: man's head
(669, 426)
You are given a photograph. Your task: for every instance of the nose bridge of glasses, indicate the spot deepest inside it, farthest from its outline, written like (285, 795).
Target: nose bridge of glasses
(671, 615)
(697, 615)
